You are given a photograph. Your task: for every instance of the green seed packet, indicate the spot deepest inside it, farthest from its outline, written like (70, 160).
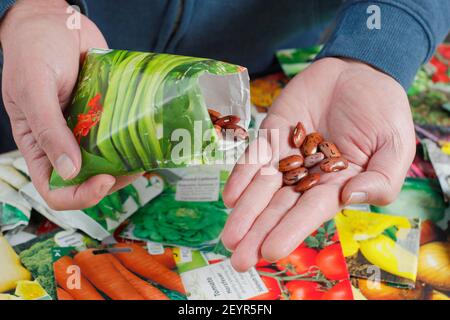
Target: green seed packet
(135, 111)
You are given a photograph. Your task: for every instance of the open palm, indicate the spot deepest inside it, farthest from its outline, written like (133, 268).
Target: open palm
(365, 113)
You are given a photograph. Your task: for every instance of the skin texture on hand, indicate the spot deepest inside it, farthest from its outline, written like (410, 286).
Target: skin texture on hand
(365, 113)
(42, 57)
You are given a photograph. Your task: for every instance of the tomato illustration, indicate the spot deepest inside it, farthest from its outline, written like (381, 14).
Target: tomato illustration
(304, 290)
(340, 291)
(300, 261)
(331, 262)
(262, 263)
(274, 290)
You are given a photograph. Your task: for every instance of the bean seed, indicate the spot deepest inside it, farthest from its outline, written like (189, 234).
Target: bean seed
(311, 143)
(334, 164)
(227, 120)
(237, 132)
(293, 176)
(290, 163)
(298, 135)
(329, 149)
(218, 131)
(307, 182)
(312, 160)
(214, 115)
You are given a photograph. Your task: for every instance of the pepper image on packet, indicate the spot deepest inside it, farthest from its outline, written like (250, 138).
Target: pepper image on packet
(380, 246)
(135, 111)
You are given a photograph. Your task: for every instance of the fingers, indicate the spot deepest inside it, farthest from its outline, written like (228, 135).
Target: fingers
(257, 155)
(41, 108)
(246, 254)
(123, 181)
(383, 178)
(70, 198)
(252, 202)
(314, 207)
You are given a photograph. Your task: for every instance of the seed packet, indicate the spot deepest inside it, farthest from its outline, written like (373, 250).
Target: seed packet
(124, 271)
(189, 212)
(294, 61)
(14, 209)
(432, 276)
(441, 164)
(100, 221)
(419, 198)
(379, 246)
(134, 111)
(266, 89)
(33, 260)
(316, 270)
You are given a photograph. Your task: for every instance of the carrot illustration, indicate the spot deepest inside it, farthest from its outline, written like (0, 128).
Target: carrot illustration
(142, 263)
(99, 270)
(64, 276)
(148, 291)
(166, 258)
(63, 295)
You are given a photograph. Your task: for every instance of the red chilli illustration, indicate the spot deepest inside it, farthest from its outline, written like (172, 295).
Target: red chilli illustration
(90, 119)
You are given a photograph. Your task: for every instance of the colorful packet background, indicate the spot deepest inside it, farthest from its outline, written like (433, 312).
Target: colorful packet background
(147, 277)
(35, 256)
(315, 270)
(128, 105)
(190, 211)
(380, 246)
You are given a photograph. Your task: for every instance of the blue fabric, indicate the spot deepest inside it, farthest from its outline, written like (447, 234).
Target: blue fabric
(410, 31)
(249, 32)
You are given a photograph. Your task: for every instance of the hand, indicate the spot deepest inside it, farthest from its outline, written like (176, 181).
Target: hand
(41, 61)
(365, 113)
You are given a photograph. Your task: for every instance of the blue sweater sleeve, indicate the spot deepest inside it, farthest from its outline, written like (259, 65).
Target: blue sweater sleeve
(409, 33)
(6, 4)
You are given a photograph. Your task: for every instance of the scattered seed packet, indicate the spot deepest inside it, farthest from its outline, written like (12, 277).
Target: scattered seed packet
(294, 61)
(32, 260)
(124, 271)
(189, 212)
(135, 112)
(316, 270)
(381, 247)
(100, 221)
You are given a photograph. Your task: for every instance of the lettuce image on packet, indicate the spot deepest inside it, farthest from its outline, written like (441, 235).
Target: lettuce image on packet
(132, 110)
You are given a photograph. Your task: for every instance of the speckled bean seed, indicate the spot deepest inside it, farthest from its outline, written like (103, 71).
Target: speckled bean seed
(334, 164)
(311, 144)
(312, 160)
(329, 149)
(214, 115)
(298, 135)
(293, 176)
(290, 163)
(307, 182)
(227, 120)
(237, 131)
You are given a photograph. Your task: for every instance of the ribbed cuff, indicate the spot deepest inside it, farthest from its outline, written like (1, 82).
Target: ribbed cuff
(5, 5)
(398, 48)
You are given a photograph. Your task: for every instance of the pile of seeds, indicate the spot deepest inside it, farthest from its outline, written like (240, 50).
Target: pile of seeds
(228, 124)
(314, 150)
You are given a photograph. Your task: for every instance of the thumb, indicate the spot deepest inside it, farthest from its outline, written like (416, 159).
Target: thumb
(49, 129)
(381, 182)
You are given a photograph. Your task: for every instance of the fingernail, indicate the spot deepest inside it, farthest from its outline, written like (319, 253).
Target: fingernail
(358, 198)
(65, 167)
(104, 189)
